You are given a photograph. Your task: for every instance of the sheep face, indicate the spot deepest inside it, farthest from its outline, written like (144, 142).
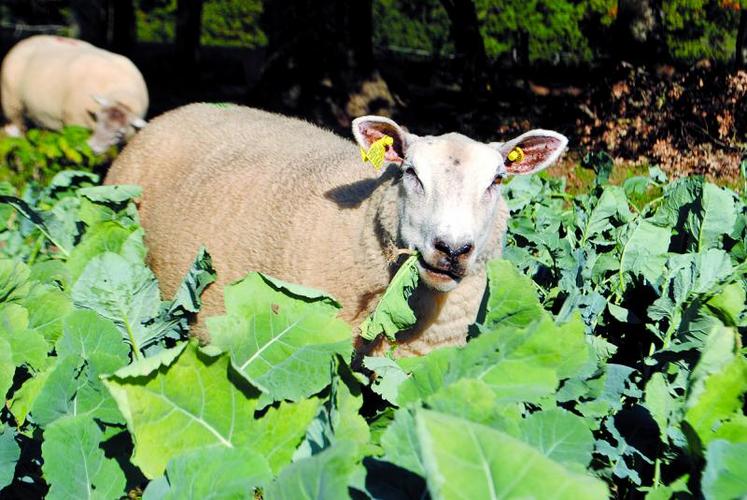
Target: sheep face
(114, 122)
(450, 199)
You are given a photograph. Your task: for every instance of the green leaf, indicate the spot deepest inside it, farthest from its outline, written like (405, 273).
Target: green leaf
(277, 434)
(467, 460)
(725, 474)
(51, 272)
(612, 203)
(280, 344)
(47, 307)
(659, 401)
(475, 400)
(400, 443)
(104, 237)
(75, 465)
(28, 346)
(90, 346)
(644, 253)
(211, 471)
(512, 299)
(338, 417)
(9, 455)
(14, 280)
(180, 390)
(319, 477)
(720, 399)
(393, 313)
(86, 333)
(111, 194)
(24, 398)
(389, 376)
(559, 435)
(122, 291)
(199, 276)
(7, 366)
(715, 219)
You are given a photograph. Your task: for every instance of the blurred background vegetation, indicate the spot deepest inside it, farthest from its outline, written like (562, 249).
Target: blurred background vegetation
(646, 80)
(552, 31)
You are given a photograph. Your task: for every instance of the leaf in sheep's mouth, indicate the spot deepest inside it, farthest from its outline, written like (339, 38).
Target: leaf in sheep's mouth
(438, 271)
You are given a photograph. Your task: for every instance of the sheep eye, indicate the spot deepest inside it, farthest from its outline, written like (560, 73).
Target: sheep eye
(498, 180)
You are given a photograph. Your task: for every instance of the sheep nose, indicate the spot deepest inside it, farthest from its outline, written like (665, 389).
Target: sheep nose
(453, 252)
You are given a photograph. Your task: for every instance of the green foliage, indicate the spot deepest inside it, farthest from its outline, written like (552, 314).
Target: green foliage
(609, 356)
(696, 29)
(416, 26)
(232, 23)
(551, 28)
(41, 154)
(224, 22)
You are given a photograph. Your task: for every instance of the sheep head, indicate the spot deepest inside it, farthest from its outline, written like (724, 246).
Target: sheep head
(114, 122)
(451, 208)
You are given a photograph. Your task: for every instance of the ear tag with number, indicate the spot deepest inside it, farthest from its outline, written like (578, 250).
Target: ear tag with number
(377, 152)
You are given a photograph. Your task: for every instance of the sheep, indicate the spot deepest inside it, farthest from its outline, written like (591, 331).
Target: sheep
(278, 195)
(55, 81)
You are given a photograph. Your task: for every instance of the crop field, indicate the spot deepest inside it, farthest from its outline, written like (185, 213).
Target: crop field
(607, 361)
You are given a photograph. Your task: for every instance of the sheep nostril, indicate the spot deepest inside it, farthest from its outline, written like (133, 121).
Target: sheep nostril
(464, 250)
(443, 248)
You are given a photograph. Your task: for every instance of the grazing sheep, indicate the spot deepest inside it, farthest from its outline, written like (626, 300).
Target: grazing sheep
(55, 81)
(278, 195)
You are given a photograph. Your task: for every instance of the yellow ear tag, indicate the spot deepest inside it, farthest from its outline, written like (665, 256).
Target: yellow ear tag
(516, 154)
(377, 151)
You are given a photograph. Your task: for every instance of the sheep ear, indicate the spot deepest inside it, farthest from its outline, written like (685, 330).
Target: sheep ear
(101, 100)
(369, 129)
(532, 151)
(138, 123)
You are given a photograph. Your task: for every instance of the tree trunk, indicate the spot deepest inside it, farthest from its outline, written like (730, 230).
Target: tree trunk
(91, 18)
(360, 28)
(739, 56)
(188, 28)
(123, 30)
(636, 32)
(465, 31)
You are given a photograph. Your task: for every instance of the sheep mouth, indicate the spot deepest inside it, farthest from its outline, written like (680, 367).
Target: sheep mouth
(440, 273)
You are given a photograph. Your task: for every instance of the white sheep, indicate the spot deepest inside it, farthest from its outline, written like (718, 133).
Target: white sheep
(55, 81)
(278, 195)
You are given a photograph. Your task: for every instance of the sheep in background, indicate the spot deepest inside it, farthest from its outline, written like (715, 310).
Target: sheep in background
(278, 195)
(54, 81)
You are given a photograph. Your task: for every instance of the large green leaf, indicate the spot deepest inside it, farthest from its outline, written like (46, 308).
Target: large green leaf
(725, 474)
(400, 442)
(715, 218)
(212, 472)
(108, 236)
(512, 299)
(560, 435)
(75, 465)
(277, 434)
(393, 313)
(644, 253)
(281, 344)
(122, 291)
(467, 460)
(47, 307)
(9, 455)
(14, 280)
(89, 347)
(319, 477)
(27, 346)
(184, 390)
